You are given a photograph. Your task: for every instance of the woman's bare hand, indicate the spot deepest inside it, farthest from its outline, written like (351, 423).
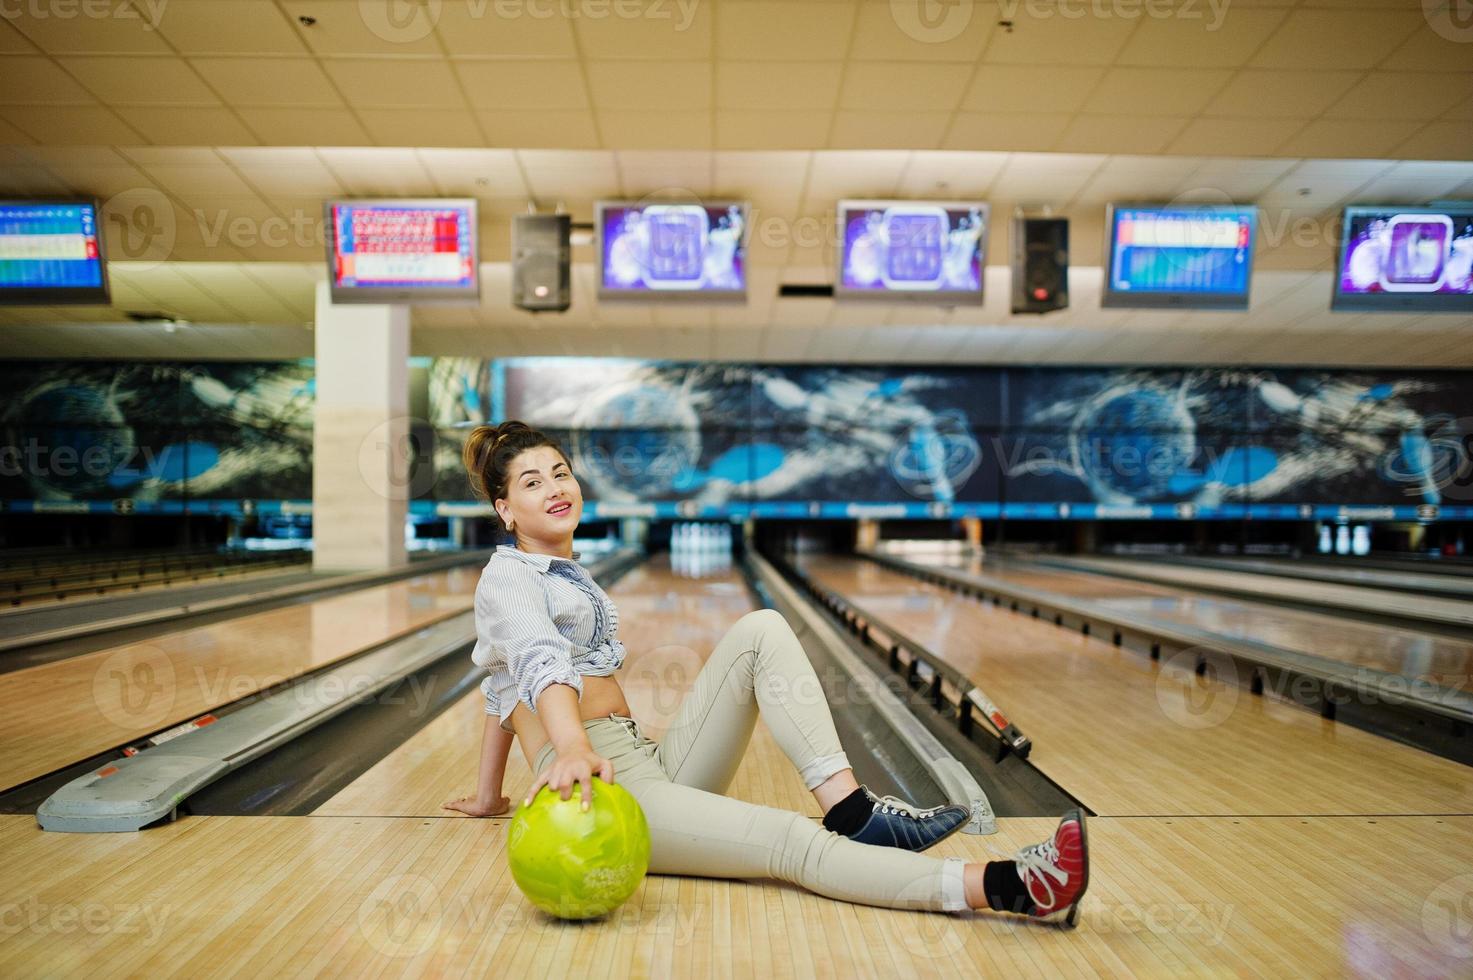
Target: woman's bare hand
(578, 766)
(476, 807)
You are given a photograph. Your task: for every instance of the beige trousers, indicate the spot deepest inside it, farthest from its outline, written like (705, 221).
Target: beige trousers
(759, 666)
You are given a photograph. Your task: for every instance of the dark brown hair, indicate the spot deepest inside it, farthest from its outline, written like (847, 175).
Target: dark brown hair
(488, 453)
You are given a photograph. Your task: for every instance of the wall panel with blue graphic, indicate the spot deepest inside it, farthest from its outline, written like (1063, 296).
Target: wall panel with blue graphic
(154, 435)
(714, 438)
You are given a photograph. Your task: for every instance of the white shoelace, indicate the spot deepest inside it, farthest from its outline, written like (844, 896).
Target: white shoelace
(1042, 860)
(894, 804)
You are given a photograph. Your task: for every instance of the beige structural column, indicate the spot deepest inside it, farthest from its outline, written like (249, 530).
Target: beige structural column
(360, 436)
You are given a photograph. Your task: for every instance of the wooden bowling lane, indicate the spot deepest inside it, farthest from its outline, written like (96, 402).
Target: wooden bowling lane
(379, 896)
(669, 624)
(1126, 735)
(59, 713)
(1430, 657)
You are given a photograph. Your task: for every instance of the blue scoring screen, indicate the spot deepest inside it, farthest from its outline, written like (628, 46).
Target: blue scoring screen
(49, 246)
(1182, 250)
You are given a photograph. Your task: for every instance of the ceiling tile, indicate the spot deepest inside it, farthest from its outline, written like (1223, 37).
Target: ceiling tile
(422, 127)
(1431, 49)
(1440, 141)
(1155, 91)
(631, 85)
(1403, 95)
(1200, 35)
(1336, 39)
(284, 171)
(181, 126)
(287, 82)
(1058, 40)
(668, 31)
(346, 28)
(1115, 134)
(305, 127)
(104, 28)
(1018, 88)
(890, 86)
(523, 85)
(194, 28)
(474, 173)
(505, 30)
(141, 81)
(1231, 137)
(395, 83)
(378, 171)
(892, 130)
(780, 30)
(1348, 138)
(1015, 131)
(63, 125)
(888, 32)
(1281, 94)
(38, 81)
(539, 129)
(655, 129)
(738, 129)
(558, 173)
(943, 173)
(777, 85)
(854, 173)
(641, 172)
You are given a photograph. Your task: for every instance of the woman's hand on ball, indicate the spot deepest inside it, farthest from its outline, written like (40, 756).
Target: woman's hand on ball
(578, 766)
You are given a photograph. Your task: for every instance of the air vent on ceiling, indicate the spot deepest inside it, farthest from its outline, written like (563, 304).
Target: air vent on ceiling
(805, 290)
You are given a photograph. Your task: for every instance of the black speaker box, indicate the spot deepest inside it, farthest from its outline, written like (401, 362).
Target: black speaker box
(1040, 264)
(541, 262)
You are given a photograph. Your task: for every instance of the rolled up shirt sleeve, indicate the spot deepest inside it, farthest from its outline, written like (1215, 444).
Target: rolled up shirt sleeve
(512, 608)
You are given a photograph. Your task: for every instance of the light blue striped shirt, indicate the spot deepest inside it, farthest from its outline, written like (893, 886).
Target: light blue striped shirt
(540, 620)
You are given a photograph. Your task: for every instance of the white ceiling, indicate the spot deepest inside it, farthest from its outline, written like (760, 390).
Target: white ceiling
(1295, 78)
(215, 137)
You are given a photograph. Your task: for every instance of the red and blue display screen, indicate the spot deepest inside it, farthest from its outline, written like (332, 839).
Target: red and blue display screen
(49, 247)
(1184, 250)
(398, 247)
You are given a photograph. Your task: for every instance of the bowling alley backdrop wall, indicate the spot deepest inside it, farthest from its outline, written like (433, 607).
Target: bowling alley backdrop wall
(713, 438)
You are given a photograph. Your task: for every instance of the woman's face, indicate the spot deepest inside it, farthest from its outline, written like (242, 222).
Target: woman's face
(543, 501)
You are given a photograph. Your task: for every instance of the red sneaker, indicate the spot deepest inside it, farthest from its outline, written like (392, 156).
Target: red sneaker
(1056, 871)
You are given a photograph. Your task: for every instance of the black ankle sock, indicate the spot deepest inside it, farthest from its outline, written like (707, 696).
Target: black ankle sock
(849, 814)
(1005, 891)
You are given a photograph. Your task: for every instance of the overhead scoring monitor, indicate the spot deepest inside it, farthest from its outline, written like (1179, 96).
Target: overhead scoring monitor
(654, 251)
(51, 254)
(927, 251)
(1179, 255)
(1404, 258)
(411, 251)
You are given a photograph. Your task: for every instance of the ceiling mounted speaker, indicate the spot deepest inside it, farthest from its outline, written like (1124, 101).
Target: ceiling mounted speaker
(541, 262)
(1040, 264)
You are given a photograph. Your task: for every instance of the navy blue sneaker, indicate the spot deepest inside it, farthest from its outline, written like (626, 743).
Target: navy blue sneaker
(896, 823)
